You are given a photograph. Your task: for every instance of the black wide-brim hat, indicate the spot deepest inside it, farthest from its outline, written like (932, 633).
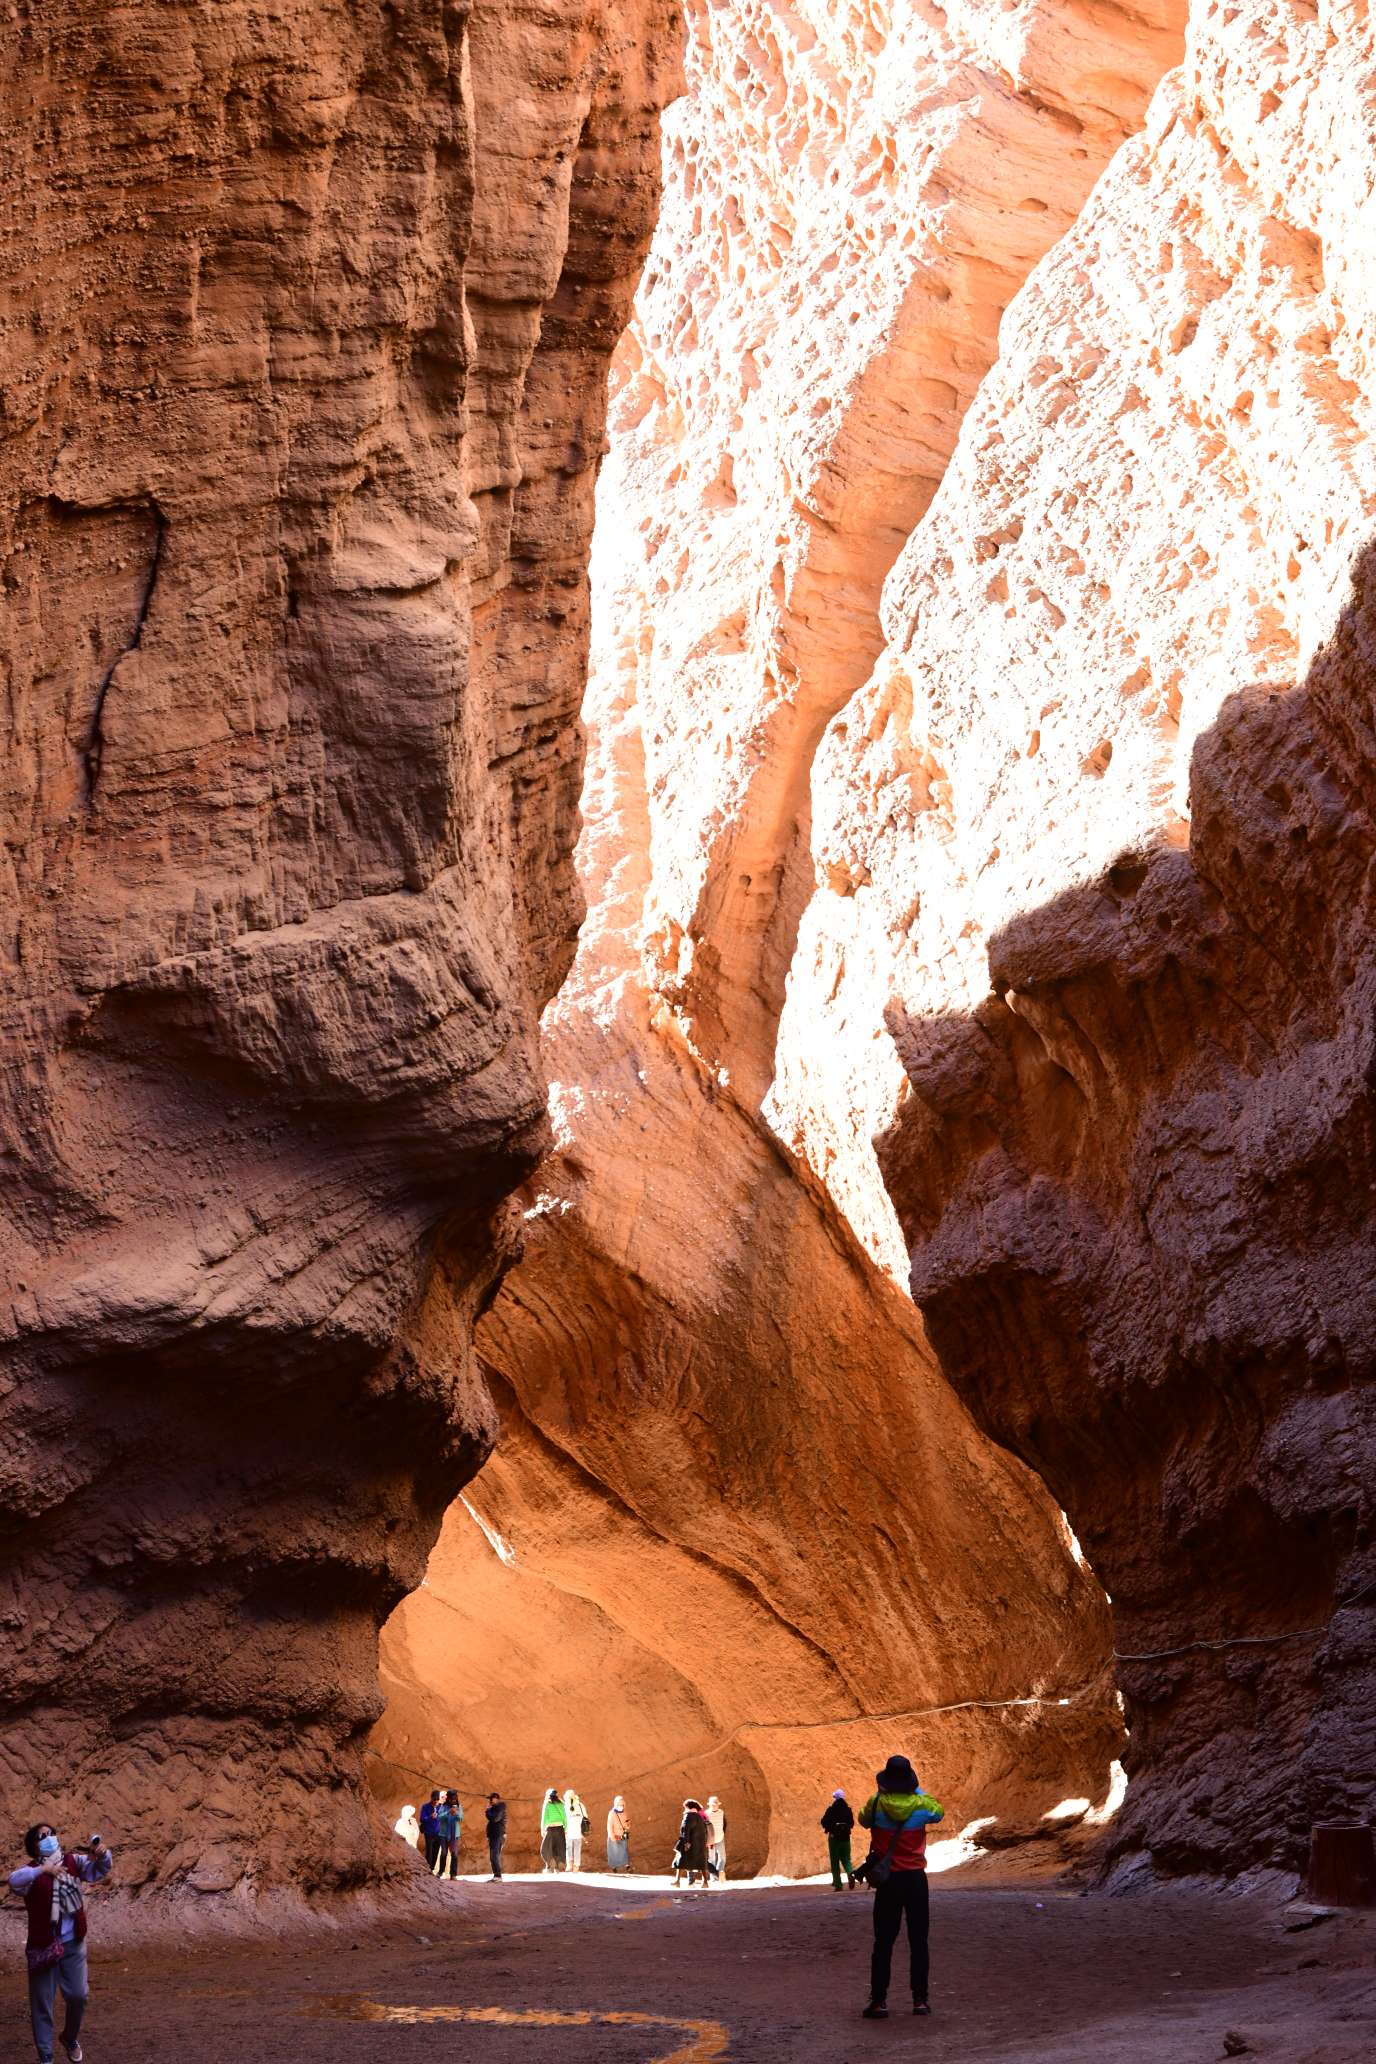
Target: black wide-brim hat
(897, 1775)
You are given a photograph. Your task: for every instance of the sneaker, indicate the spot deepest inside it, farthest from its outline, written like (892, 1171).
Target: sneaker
(75, 2052)
(875, 2011)
(921, 2007)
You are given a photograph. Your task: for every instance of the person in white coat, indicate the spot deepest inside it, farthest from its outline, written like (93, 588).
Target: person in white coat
(716, 1848)
(577, 1813)
(408, 1827)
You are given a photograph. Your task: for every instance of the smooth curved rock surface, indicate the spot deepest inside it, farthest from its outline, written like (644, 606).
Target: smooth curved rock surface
(303, 396)
(746, 1532)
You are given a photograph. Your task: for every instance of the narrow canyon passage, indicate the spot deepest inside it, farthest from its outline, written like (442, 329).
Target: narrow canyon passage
(930, 717)
(729, 1464)
(688, 1056)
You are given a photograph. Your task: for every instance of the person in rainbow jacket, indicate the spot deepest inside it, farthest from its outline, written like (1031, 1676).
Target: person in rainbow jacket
(898, 1817)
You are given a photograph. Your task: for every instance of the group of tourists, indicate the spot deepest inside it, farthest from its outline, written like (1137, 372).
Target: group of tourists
(895, 1817)
(51, 1881)
(565, 1826)
(701, 1846)
(437, 1831)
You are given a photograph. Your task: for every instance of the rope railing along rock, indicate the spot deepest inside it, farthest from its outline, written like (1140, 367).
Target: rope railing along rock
(1073, 1698)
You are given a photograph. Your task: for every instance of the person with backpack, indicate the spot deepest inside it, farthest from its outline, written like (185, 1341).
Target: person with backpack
(496, 1832)
(429, 1830)
(576, 1827)
(837, 1822)
(898, 1816)
(50, 1886)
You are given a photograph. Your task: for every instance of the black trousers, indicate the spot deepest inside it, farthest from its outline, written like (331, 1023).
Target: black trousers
(432, 1848)
(903, 1893)
(495, 1846)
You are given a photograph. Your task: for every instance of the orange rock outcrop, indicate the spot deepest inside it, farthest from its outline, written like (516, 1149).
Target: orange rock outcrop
(305, 334)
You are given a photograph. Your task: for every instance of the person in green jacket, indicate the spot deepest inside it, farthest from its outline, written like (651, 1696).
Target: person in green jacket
(837, 1822)
(553, 1829)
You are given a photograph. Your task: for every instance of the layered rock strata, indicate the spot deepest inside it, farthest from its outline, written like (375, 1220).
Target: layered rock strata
(708, 1354)
(305, 334)
(1097, 841)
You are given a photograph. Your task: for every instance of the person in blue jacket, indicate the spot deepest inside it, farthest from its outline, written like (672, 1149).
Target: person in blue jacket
(449, 1827)
(429, 1832)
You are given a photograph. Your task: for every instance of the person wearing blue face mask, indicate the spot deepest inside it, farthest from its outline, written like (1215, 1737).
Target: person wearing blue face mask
(50, 1887)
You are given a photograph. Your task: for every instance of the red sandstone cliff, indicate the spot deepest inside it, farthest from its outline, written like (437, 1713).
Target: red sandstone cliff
(305, 333)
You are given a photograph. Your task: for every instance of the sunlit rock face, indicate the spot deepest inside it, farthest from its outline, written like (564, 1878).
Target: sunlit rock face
(728, 1440)
(741, 1519)
(303, 392)
(1096, 843)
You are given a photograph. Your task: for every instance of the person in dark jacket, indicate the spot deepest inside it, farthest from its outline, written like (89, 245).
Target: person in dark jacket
(898, 1816)
(496, 1831)
(694, 1836)
(50, 1886)
(837, 1821)
(429, 1831)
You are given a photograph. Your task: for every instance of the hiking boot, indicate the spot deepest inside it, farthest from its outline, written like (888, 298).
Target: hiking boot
(875, 2011)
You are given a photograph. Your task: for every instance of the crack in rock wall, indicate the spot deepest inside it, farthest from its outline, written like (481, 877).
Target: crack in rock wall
(727, 1448)
(303, 390)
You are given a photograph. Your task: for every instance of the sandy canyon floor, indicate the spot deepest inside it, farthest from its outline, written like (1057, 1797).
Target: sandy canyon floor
(635, 1974)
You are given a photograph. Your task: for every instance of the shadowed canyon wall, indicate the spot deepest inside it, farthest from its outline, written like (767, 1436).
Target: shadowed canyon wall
(306, 322)
(981, 767)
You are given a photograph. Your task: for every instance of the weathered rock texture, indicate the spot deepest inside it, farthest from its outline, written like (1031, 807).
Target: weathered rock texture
(732, 1393)
(1097, 840)
(305, 335)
